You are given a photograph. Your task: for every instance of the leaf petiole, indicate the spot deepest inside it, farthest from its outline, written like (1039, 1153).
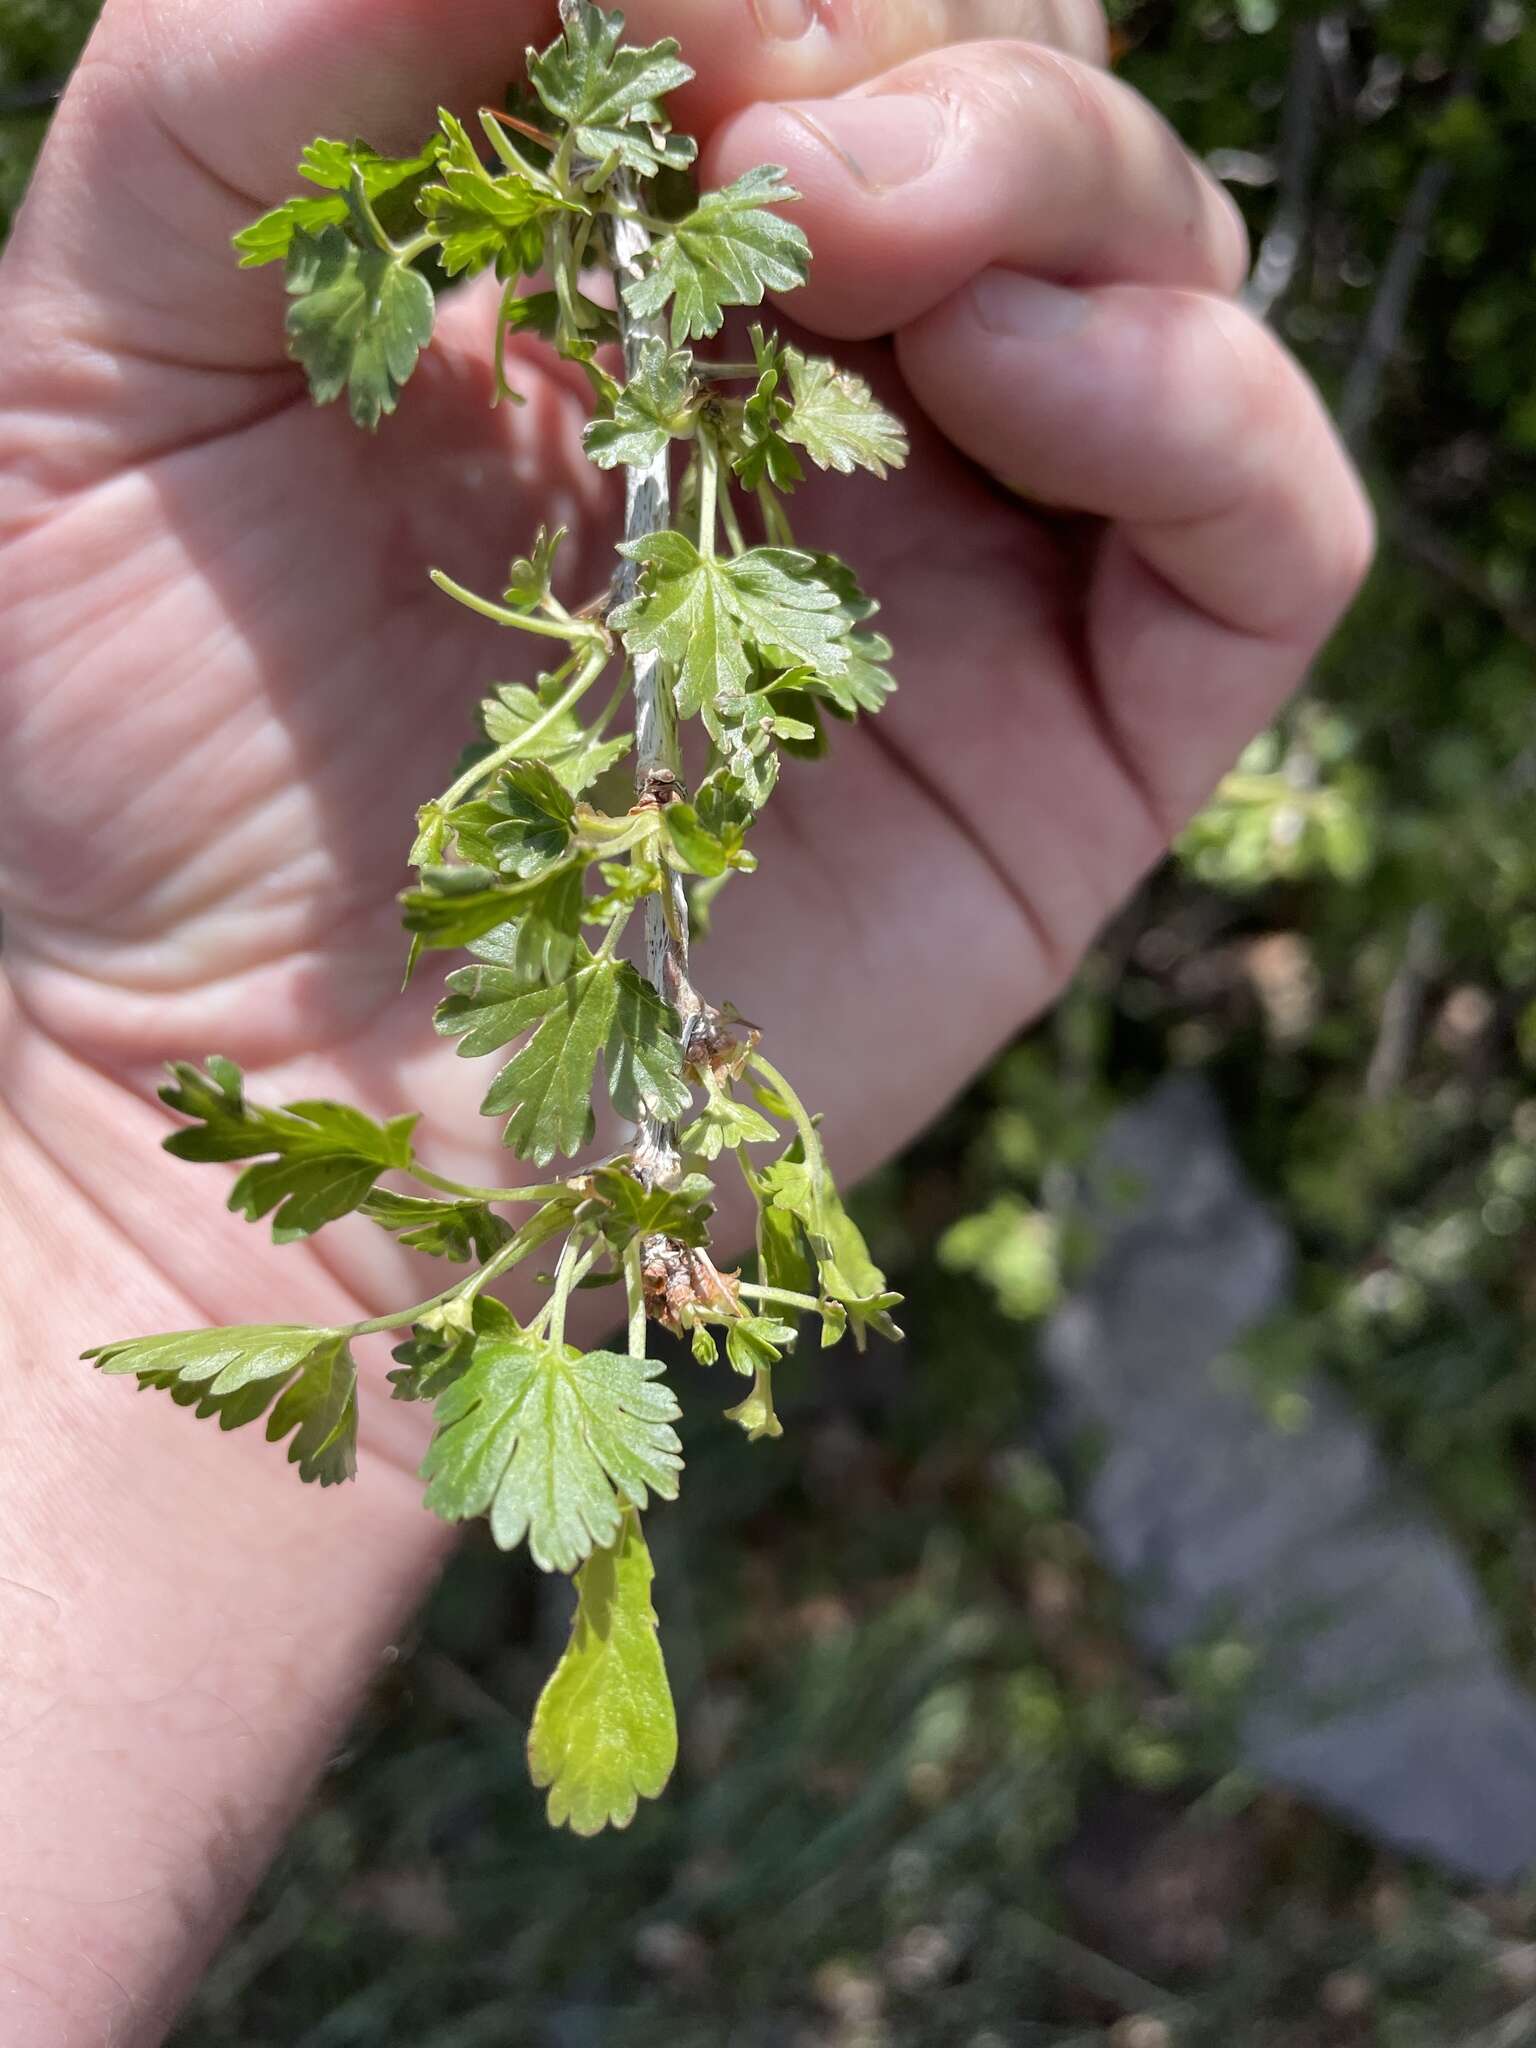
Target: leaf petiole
(579, 632)
(549, 1193)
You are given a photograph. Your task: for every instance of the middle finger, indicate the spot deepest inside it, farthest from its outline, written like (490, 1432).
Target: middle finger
(984, 154)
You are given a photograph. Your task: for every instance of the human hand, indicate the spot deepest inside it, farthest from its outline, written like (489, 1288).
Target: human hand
(228, 683)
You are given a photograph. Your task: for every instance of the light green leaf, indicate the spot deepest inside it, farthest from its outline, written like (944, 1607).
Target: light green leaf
(727, 252)
(531, 576)
(320, 1407)
(326, 1156)
(521, 825)
(545, 1089)
(484, 218)
(358, 322)
(633, 1210)
(804, 1190)
(610, 97)
(759, 451)
(551, 1443)
(723, 1125)
(534, 926)
(604, 1732)
(685, 615)
(575, 755)
(644, 1054)
(438, 1225)
(656, 404)
(757, 1343)
(236, 1373)
(782, 1256)
(389, 183)
(701, 614)
(837, 419)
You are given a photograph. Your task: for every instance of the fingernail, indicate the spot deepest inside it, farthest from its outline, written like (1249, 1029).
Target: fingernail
(885, 139)
(784, 21)
(1027, 308)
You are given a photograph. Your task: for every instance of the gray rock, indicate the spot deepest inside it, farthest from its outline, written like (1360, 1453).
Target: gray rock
(1381, 1690)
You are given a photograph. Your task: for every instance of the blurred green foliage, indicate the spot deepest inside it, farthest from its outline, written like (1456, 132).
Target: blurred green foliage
(911, 1722)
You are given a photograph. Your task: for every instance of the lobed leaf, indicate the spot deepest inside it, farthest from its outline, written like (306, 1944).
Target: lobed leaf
(389, 183)
(236, 1374)
(545, 1089)
(485, 218)
(438, 1225)
(604, 1731)
(550, 1443)
(359, 320)
(522, 825)
(837, 419)
(728, 251)
(609, 96)
(326, 1156)
(725, 1124)
(657, 403)
(702, 615)
(576, 756)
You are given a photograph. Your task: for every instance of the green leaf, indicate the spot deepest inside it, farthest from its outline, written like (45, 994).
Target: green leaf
(701, 615)
(531, 577)
(610, 97)
(804, 1190)
(359, 320)
(536, 924)
(320, 1409)
(604, 1732)
(707, 836)
(684, 614)
(727, 252)
(326, 1156)
(656, 404)
(484, 218)
(550, 1443)
(575, 755)
(235, 1374)
(864, 684)
(331, 165)
(837, 419)
(522, 825)
(757, 1343)
(429, 1361)
(723, 1125)
(759, 452)
(632, 1211)
(782, 1256)
(438, 1225)
(441, 1344)
(545, 1089)
(644, 1053)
